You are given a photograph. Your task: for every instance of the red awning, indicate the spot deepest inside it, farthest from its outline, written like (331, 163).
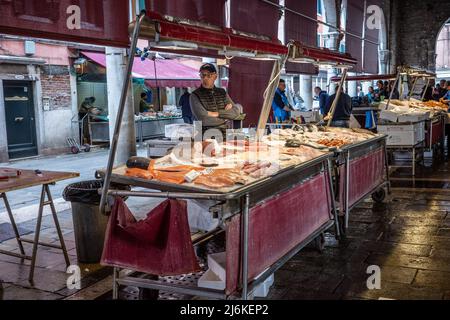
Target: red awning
(169, 73)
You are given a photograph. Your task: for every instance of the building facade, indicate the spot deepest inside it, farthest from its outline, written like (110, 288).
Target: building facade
(37, 98)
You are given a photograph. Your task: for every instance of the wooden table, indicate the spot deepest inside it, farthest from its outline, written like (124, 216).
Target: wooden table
(27, 179)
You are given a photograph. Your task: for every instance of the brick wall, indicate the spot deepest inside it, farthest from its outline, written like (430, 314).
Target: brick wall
(414, 30)
(55, 83)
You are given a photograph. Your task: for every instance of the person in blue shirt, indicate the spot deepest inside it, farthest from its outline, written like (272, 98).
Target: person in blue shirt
(323, 98)
(280, 104)
(185, 105)
(446, 98)
(371, 95)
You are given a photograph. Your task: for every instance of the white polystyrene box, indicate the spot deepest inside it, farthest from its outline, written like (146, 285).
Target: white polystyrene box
(178, 130)
(263, 289)
(210, 280)
(217, 263)
(389, 115)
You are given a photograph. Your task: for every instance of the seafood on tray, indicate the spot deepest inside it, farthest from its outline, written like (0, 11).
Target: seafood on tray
(224, 166)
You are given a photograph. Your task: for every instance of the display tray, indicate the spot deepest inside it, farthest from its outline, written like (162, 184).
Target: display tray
(361, 148)
(158, 119)
(281, 180)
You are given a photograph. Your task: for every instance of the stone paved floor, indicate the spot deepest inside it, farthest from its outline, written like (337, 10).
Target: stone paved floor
(408, 237)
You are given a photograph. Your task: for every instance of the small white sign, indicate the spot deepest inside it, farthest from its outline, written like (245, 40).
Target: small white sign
(19, 77)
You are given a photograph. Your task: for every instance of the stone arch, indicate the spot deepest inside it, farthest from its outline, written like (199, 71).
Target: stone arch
(441, 29)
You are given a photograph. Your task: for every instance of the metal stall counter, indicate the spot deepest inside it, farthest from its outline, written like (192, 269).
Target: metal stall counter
(265, 222)
(361, 170)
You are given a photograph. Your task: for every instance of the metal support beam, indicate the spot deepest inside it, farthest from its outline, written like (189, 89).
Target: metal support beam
(115, 137)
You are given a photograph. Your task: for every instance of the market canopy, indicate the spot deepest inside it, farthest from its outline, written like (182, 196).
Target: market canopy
(169, 73)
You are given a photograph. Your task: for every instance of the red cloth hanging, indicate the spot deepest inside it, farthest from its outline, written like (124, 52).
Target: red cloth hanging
(159, 244)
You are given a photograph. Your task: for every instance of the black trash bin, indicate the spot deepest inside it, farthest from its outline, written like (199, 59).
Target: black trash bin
(89, 224)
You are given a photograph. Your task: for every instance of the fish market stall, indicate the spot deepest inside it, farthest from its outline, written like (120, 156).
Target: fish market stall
(412, 126)
(360, 166)
(254, 187)
(152, 125)
(271, 197)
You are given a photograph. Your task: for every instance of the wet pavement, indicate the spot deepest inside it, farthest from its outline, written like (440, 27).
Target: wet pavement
(407, 237)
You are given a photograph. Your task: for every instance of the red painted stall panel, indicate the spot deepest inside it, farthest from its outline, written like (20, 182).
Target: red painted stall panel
(208, 11)
(366, 173)
(276, 226)
(437, 132)
(88, 21)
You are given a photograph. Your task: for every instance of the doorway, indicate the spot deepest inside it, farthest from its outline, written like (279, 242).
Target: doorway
(20, 119)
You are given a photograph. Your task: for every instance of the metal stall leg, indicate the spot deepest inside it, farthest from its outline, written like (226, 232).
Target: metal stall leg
(115, 291)
(58, 228)
(244, 246)
(333, 199)
(13, 223)
(36, 236)
(347, 187)
(123, 96)
(413, 161)
(386, 160)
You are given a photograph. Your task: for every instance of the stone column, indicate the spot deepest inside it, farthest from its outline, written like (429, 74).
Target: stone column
(384, 56)
(351, 86)
(116, 60)
(306, 90)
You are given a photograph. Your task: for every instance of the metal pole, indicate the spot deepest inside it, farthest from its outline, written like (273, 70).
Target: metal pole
(36, 236)
(412, 89)
(267, 105)
(392, 90)
(333, 199)
(347, 188)
(58, 227)
(386, 160)
(336, 98)
(13, 222)
(115, 138)
(426, 87)
(115, 283)
(245, 228)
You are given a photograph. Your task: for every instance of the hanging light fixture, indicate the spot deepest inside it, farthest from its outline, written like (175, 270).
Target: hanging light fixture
(296, 55)
(173, 45)
(231, 53)
(266, 57)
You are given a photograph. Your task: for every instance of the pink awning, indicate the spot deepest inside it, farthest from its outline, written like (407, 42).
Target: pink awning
(169, 73)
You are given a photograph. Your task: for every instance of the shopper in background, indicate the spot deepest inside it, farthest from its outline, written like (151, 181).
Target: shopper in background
(323, 97)
(143, 105)
(371, 95)
(446, 98)
(443, 88)
(428, 90)
(436, 92)
(395, 93)
(379, 91)
(280, 104)
(185, 105)
(343, 110)
(359, 92)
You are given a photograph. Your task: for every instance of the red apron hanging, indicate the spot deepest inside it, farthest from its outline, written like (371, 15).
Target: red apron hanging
(160, 244)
